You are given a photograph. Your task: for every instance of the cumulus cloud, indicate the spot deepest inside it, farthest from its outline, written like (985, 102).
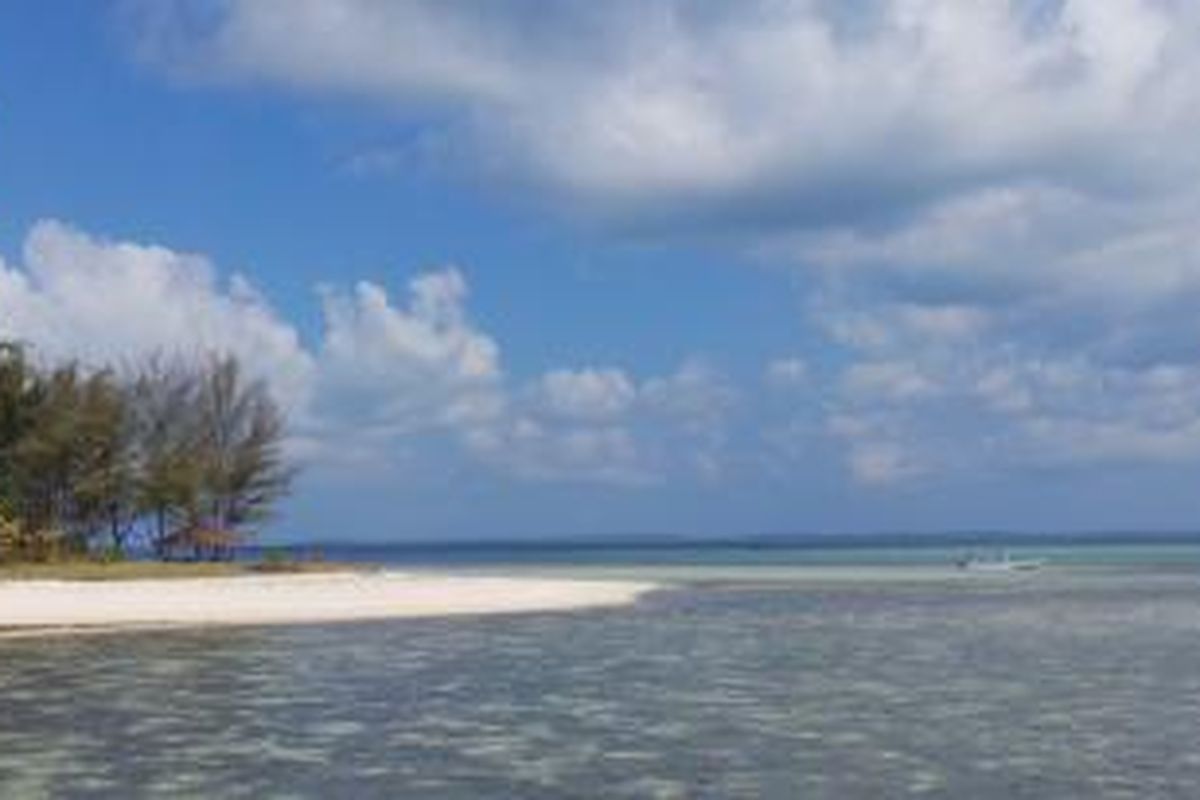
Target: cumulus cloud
(603, 424)
(697, 397)
(383, 375)
(85, 297)
(939, 409)
(407, 368)
(377, 371)
(894, 381)
(529, 448)
(589, 394)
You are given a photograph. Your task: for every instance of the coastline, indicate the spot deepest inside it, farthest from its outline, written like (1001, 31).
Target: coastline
(48, 607)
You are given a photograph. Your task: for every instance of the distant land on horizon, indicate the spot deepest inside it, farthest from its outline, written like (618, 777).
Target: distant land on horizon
(768, 541)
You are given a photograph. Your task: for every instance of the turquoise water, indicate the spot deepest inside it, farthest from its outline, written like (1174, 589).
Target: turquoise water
(1129, 554)
(800, 564)
(1072, 682)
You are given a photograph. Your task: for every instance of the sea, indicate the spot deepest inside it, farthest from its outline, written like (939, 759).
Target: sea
(759, 670)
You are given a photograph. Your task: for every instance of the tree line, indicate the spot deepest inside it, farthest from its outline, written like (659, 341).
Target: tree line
(173, 457)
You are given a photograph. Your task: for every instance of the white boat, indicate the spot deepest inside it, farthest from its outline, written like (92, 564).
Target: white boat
(1003, 563)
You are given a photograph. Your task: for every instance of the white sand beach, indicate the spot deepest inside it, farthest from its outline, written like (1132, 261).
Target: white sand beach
(27, 606)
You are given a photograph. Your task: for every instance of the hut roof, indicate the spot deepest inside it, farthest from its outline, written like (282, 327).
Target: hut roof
(203, 537)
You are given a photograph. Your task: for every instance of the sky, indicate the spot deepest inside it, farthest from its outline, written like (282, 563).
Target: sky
(520, 269)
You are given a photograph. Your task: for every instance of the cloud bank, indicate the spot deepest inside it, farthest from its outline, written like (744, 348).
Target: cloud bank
(993, 203)
(801, 114)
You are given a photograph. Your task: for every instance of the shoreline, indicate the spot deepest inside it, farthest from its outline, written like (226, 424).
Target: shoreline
(58, 607)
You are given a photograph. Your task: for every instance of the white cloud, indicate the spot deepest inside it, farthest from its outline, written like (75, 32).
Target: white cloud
(1121, 253)
(666, 106)
(696, 397)
(601, 424)
(526, 448)
(996, 201)
(586, 394)
(991, 149)
(385, 376)
(980, 405)
(404, 369)
(379, 371)
(98, 300)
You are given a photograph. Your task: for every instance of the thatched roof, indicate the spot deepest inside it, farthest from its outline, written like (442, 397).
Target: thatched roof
(208, 538)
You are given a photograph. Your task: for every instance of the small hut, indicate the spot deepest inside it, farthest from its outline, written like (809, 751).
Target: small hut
(201, 544)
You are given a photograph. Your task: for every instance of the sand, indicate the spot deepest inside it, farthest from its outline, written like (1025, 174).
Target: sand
(28, 606)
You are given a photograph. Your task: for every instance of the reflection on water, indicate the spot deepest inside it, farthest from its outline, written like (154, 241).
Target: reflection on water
(1060, 686)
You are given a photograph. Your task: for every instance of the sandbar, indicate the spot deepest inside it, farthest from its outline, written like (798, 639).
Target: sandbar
(32, 606)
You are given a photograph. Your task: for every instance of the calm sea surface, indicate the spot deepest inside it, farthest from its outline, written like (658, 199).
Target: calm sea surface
(753, 677)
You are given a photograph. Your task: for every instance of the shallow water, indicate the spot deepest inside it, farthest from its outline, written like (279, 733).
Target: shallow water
(1056, 685)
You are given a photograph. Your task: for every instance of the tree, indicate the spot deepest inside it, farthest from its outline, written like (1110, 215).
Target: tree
(18, 393)
(21, 391)
(169, 475)
(103, 482)
(241, 448)
(188, 454)
(13, 420)
(43, 456)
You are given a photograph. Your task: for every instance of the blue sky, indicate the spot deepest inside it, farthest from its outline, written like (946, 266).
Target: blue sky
(655, 266)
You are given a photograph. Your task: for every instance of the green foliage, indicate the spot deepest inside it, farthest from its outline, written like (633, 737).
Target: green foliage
(91, 461)
(243, 471)
(19, 392)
